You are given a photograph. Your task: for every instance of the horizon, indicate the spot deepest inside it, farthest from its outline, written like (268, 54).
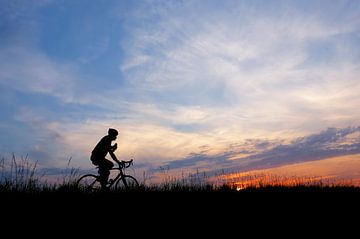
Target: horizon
(190, 85)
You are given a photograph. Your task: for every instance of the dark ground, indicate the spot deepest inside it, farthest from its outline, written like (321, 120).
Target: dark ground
(181, 214)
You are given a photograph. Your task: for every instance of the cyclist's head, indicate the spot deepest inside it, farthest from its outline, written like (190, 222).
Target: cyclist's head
(113, 132)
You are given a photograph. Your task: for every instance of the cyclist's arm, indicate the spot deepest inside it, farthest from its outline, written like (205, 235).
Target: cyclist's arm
(113, 156)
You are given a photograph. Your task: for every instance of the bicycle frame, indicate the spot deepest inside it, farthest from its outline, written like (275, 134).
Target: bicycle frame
(119, 176)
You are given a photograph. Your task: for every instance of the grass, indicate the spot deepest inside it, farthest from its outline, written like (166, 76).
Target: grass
(20, 177)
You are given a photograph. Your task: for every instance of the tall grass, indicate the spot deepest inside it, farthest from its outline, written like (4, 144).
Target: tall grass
(21, 175)
(70, 176)
(185, 182)
(260, 181)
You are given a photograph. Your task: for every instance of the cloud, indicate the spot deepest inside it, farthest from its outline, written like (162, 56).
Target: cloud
(24, 69)
(135, 62)
(329, 143)
(341, 170)
(256, 154)
(39, 139)
(256, 65)
(29, 70)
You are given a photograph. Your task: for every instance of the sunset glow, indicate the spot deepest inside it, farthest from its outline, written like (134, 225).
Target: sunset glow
(343, 171)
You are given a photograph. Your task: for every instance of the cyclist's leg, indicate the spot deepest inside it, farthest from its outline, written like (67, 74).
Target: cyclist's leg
(104, 175)
(108, 164)
(95, 160)
(104, 171)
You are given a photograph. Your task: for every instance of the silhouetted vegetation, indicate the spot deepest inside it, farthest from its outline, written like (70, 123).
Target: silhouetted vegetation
(21, 178)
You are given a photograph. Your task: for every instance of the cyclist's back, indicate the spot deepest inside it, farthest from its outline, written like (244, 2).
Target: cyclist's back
(101, 149)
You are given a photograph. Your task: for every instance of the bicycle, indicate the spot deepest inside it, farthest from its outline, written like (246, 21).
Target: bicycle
(122, 181)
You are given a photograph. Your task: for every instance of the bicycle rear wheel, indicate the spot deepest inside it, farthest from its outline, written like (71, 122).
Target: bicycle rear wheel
(127, 182)
(89, 182)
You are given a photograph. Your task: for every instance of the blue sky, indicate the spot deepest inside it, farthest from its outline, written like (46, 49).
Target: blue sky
(216, 83)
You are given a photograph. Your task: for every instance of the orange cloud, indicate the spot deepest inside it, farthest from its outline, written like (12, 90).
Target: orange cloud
(343, 170)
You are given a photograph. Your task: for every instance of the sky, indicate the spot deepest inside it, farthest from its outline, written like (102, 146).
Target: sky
(190, 85)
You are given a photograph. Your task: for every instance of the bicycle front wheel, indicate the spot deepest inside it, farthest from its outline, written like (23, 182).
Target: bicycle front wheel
(89, 182)
(126, 182)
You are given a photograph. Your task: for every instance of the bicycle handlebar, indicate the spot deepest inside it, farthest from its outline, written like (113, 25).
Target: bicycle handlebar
(126, 164)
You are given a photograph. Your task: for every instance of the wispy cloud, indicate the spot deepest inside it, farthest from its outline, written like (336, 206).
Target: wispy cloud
(26, 70)
(259, 65)
(256, 154)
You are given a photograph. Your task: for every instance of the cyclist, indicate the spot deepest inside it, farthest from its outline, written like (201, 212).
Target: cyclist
(102, 148)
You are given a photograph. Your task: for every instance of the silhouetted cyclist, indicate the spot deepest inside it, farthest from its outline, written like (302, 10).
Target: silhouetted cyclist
(99, 153)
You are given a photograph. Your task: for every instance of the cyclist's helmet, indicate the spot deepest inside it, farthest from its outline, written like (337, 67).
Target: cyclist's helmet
(113, 132)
